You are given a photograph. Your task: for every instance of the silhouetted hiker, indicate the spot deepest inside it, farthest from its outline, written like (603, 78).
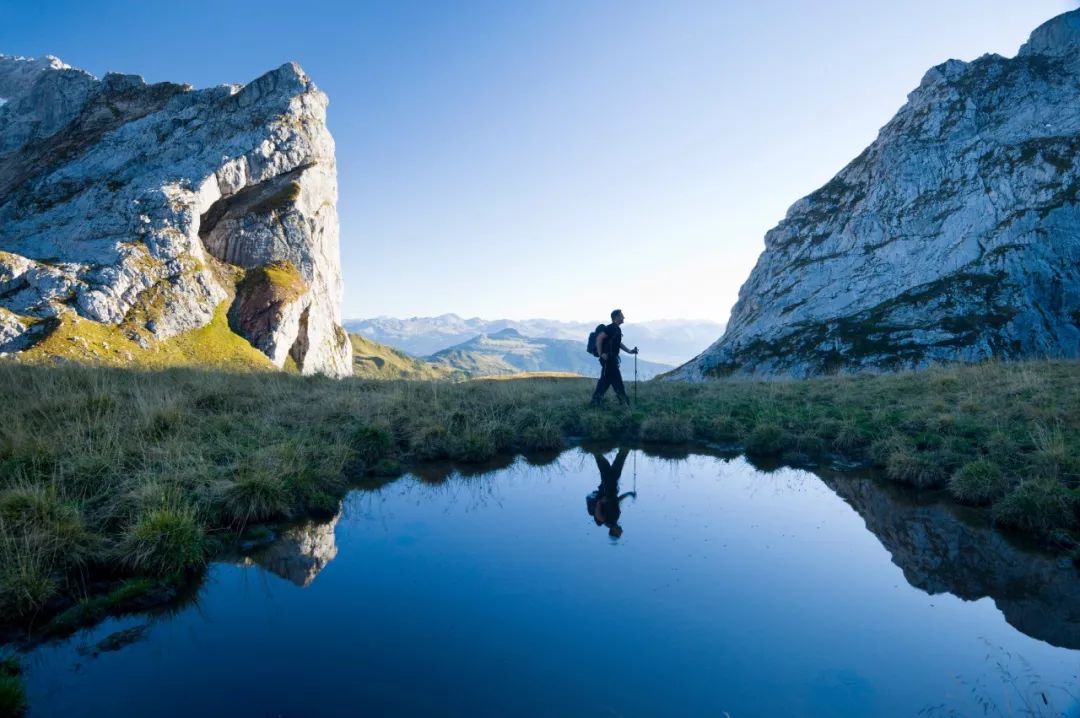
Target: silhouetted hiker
(603, 504)
(608, 344)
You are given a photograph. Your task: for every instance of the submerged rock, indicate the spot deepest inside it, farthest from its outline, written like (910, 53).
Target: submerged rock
(137, 206)
(115, 641)
(954, 237)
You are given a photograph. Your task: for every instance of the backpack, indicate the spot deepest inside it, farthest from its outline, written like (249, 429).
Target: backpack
(590, 345)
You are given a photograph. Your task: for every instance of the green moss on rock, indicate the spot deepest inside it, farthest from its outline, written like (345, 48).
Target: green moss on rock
(281, 281)
(278, 200)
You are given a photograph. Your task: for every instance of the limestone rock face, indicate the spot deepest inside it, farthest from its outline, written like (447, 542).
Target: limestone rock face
(954, 237)
(137, 206)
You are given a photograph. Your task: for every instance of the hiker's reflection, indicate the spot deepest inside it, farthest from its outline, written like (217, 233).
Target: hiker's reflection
(603, 504)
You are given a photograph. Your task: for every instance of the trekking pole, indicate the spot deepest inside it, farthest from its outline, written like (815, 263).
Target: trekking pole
(635, 378)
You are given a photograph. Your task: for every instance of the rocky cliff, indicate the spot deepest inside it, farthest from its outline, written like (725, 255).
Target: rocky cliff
(133, 213)
(954, 237)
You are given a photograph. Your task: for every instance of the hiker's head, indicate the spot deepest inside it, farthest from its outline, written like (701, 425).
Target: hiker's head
(615, 531)
(617, 316)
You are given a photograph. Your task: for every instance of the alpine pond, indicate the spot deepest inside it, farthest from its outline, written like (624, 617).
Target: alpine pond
(601, 583)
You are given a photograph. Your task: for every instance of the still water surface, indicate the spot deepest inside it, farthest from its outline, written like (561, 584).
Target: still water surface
(715, 590)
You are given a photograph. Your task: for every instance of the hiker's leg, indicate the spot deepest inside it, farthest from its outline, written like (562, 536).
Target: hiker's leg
(615, 379)
(601, 384)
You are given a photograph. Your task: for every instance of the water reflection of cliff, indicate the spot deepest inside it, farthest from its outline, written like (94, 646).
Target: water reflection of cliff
(298, 553)
(940, 550)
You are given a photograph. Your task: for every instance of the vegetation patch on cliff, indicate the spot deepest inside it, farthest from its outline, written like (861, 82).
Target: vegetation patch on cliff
(283, 197)
(70, 337)
(882, 337)
(277, 282)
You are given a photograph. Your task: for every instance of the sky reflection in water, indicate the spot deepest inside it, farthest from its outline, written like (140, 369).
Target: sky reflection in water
(716, 589)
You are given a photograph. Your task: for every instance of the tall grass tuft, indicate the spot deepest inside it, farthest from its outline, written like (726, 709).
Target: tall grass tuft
(767, 439)
(255, 497)
(1040, 506)
(978, 483)
(667, 428)
(164, 541)
(911, 466)
(12, 695)
(27, 570)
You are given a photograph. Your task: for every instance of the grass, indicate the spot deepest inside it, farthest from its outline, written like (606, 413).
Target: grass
(372, 360)
(165, 540)
(12, 695)
(978, 483)
(530, 375)
(128, 595)
(141, 474)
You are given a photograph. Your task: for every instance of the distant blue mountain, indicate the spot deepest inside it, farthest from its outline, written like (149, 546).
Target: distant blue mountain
(667, 341)
(508, 351)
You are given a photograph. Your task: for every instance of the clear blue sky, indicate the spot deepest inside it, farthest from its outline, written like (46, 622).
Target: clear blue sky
(527, 158)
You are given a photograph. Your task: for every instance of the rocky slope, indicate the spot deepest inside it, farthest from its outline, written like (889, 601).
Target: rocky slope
(132, 215)
(954, 237)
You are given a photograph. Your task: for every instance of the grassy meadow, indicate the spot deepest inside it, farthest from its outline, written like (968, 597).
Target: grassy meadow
(114, 482)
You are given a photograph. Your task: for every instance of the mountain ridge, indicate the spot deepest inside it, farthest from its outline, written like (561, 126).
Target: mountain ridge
(510, 352)
(952, 237)
(668, 341)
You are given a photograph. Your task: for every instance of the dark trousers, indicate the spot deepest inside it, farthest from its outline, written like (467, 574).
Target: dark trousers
(610, 376)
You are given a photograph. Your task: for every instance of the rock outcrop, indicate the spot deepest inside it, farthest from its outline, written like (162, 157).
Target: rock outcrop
(954, 237)
(140, 207)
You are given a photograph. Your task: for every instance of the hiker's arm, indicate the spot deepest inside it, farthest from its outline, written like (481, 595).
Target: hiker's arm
(600, 344)
(628, 350)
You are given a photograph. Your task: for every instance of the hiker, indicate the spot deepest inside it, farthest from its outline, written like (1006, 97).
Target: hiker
(603, 504)
(608, 344)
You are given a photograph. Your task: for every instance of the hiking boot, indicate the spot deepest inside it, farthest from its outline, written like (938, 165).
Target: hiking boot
(596, 403)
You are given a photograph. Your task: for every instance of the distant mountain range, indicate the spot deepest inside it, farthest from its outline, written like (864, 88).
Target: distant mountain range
(667, 341)
(508, 351)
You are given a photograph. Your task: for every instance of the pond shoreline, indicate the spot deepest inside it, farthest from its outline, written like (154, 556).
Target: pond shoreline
(117, 597)
(716, 549)
(135, 476)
